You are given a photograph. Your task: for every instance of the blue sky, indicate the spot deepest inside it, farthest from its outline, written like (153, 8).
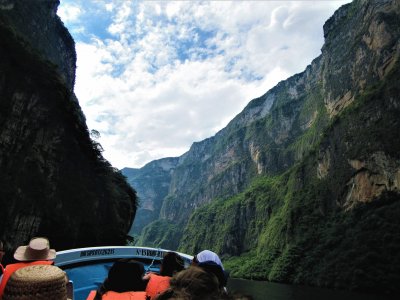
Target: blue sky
(155, 76)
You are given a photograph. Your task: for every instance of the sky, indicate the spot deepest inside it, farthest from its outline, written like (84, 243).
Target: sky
(155, 76)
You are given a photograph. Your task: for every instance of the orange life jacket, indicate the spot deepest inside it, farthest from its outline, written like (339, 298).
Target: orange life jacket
(156, 285)
(110, 295)
(11, 268)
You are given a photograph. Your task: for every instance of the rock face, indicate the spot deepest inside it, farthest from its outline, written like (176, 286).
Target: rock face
(54, 181)
(303, 185)
(380, 174)
(152, 184)
(44, 32)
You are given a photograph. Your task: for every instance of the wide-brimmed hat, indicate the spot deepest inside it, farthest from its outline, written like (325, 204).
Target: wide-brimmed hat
(37, 282)
(38, 249)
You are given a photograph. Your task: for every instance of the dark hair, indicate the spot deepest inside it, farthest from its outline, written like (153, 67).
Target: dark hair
(214, 268)
(192, 284)
(171, 264)
(125, 275)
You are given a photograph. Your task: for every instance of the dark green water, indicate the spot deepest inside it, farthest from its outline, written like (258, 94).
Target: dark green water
(261, 290)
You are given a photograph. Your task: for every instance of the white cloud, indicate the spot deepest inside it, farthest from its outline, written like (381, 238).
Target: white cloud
(177, 72)
(109, 7)
(69, 12)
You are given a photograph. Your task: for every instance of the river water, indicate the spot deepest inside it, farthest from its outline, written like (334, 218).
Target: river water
(261, 290)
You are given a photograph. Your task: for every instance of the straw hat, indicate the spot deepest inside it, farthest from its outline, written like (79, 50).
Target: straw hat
(38, 282)
(38, 249)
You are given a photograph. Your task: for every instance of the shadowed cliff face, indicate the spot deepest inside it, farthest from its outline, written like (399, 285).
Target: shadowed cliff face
(54, 181)
(39, 26)
(302, 186)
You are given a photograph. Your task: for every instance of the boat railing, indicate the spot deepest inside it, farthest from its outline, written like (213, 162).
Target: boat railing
(82, 255)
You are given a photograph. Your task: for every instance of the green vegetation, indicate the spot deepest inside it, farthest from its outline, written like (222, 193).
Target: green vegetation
(300, 243)
(162, 233)
(292, 227)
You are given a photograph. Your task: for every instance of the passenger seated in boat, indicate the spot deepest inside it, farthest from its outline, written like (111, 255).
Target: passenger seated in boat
(37, 252)
(210, 262)
(124, 281)
(193, 284)
(171, 264)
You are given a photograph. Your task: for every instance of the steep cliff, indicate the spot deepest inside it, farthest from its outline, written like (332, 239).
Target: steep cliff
(152, 184)
(54, 181)
(303, 185)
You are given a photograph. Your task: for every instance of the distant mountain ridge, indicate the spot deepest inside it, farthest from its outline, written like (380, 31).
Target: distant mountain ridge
(303, 185)
(152, 182)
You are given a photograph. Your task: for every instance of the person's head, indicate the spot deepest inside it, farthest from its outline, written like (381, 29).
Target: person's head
(210, 262)
(171, 264)
(192, 284)
(207, 255)
(37, 282)
(212, 267)
(37, 249)
(125, 275)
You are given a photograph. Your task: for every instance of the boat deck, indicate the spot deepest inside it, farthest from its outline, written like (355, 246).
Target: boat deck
(88, 267)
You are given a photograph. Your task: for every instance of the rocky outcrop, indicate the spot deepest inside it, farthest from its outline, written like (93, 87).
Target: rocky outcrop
(370, 31)
(54, 181)
(379, 174)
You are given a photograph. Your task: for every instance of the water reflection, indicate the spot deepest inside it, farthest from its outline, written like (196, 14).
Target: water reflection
(261, 290)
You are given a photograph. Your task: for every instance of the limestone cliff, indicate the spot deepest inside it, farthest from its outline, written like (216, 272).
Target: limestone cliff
(54, 181)
(303, 184)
